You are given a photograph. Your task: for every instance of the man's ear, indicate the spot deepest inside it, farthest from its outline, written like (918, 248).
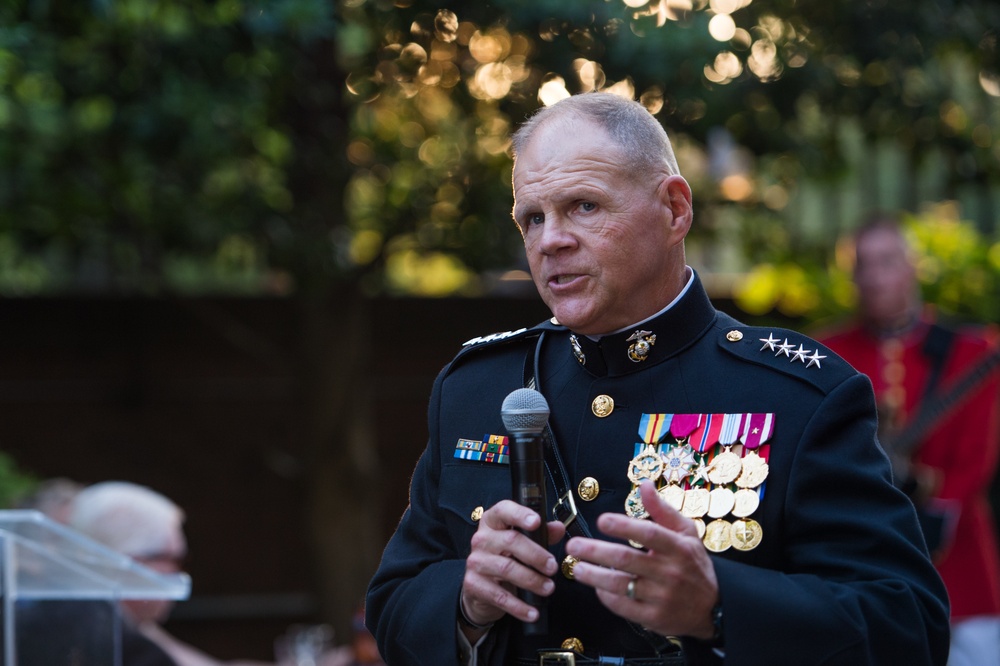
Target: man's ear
(675, 194)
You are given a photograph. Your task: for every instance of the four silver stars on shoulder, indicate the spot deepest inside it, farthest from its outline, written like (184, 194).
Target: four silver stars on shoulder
(801, 354)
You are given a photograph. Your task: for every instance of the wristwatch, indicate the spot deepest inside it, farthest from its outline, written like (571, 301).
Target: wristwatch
(717, 624)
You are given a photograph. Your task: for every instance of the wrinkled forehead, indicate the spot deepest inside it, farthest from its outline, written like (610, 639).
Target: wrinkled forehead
(564, 143)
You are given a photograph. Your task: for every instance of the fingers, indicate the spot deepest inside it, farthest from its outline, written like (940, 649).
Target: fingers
(486, 598)
(662, 513)
(502, 559)
(651, 533)
(668, 586)
(507, 514)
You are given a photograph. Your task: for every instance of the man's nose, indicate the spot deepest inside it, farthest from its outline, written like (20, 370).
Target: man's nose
(556, 235)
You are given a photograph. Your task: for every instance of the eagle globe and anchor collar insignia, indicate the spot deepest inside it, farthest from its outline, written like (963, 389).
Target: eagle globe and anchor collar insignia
(642, 342)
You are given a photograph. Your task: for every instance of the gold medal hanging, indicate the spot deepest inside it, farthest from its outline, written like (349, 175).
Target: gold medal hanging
(746, 534)
(726, 466)
(757, 429)
(673, 495)
(746, 501)
(754, 471)
(647, 465)
(696, 502)
(720, 502)
(697, 498)
(634, 508)
(718, 536)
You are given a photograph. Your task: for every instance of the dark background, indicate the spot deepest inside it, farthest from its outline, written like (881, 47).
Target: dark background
(164, 393)
(157, 392)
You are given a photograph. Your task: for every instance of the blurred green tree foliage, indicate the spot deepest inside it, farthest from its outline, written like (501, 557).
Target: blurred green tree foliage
(251, 146)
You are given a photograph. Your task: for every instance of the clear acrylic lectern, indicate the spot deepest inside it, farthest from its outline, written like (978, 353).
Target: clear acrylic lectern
(60, 593)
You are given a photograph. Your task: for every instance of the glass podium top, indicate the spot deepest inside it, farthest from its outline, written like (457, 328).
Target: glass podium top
(42, 559)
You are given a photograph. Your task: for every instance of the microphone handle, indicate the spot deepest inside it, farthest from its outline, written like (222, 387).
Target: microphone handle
(527, 464)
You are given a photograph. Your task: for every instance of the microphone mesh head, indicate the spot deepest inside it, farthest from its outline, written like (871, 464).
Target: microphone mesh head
(525, 411)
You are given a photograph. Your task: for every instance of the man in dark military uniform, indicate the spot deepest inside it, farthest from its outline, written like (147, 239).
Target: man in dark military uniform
(722, 490)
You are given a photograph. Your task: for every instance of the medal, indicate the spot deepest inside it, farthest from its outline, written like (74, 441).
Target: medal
(699, 525)
(754, 471)
(726, 466)
(746, 534)
(702, 440)
(634, 507)
(757, 429)
(646, 465)
(680, 459)
(745, 502)
(720, 502)
(678, 463)
(696, 501)
(672, 495)
(718, 536)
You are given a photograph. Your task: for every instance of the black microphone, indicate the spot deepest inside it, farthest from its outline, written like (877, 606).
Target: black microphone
(525, 413)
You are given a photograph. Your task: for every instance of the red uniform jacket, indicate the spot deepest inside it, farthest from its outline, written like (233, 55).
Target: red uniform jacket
(962, 448)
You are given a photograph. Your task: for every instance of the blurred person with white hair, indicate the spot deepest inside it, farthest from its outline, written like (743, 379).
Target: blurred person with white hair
(148, 527)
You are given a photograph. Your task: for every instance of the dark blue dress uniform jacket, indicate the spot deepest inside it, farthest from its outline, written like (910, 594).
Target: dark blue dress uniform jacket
(841, 575)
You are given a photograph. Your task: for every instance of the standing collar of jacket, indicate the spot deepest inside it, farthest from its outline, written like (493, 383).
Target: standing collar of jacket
(675, 329)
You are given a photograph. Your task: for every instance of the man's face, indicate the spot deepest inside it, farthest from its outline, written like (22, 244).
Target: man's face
(884, 276)
(168, 561)
(597, 236)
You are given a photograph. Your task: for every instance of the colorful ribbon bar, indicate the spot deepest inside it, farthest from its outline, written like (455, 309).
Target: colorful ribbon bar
(653, 426)
(730, 428)
(757, 429)
(706, 435)
(683, 425)
(492, 449)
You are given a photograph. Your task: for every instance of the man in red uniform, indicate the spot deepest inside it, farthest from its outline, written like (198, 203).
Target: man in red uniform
(946, 440)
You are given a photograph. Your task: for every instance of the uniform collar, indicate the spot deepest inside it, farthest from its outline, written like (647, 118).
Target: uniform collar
(674, 329)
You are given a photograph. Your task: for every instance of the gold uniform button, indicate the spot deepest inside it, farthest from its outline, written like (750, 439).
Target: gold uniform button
(574, 644)
(602, 406)
(567, 566)
(477, 513)
(588, 489)
(734, 336)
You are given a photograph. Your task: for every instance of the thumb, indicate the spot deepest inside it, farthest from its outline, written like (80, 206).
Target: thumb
(662, 513)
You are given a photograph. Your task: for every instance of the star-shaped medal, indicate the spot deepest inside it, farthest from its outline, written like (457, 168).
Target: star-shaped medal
(678, 463)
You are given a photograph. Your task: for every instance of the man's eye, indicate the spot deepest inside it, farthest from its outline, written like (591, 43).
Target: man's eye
(588, 206)
(535, 218)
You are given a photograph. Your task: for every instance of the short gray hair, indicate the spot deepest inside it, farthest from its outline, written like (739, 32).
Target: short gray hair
(643, 141)
(126, 517)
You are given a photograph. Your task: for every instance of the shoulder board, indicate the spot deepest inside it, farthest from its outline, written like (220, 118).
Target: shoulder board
(787, 351)
(507, 336)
